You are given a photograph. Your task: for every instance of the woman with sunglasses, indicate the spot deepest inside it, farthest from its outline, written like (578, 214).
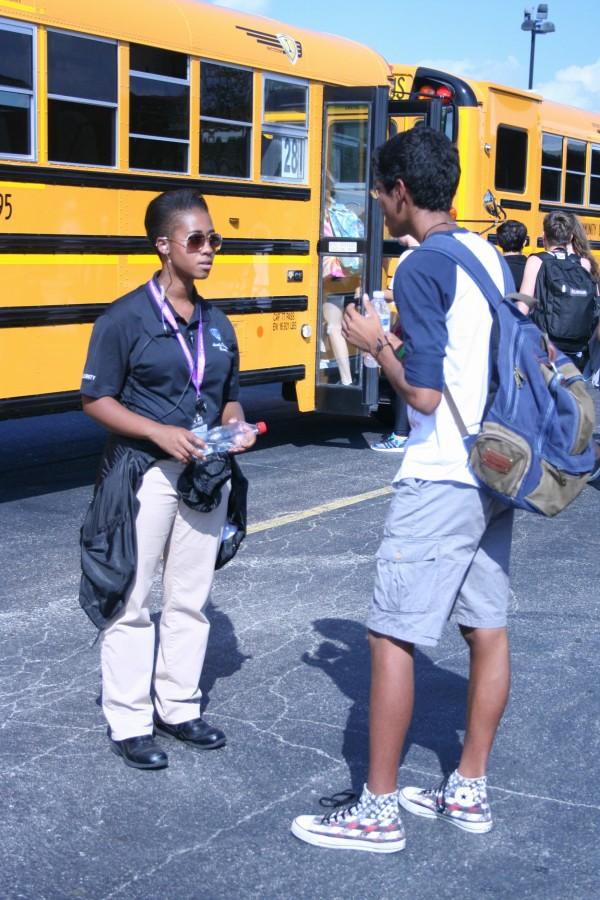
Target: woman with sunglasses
(162, 369)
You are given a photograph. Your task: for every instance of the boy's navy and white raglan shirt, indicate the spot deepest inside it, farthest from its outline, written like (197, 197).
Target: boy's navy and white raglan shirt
(446, 322)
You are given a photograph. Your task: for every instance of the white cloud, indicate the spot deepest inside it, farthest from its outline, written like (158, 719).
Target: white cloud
(503, 71)
(576, 85)
(249, 6)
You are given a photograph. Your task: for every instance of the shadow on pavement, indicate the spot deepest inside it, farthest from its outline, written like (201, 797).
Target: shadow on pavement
(440, 697)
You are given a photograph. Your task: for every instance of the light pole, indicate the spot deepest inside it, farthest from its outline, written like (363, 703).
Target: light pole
(536, 21)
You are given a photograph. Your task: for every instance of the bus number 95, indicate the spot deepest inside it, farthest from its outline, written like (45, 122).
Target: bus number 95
(5, 206)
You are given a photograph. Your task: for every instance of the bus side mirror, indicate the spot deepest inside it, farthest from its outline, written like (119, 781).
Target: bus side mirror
(492, 207)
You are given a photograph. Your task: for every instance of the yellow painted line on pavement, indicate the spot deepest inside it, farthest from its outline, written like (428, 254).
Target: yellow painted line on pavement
(340, 503)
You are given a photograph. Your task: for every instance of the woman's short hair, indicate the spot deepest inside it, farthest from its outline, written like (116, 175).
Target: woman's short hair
(165, 207)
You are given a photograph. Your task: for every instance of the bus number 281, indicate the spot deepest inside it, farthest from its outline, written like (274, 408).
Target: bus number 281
(292, 153)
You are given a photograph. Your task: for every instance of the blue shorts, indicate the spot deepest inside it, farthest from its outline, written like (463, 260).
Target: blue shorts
(445, 552)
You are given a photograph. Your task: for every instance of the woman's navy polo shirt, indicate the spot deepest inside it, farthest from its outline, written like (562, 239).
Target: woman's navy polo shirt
(135, 357)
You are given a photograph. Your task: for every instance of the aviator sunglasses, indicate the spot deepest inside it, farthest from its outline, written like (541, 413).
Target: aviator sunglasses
(197, 239)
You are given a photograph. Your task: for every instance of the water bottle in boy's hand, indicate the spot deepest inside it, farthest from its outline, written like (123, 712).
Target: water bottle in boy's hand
(383, 311)
(224, 438)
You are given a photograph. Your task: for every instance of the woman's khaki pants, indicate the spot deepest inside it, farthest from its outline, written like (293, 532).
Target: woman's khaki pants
(188, 541)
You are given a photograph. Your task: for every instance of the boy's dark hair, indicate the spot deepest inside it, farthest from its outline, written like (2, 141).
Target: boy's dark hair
(511, 236)
(426, 161)
(558, 228)
(163, 209)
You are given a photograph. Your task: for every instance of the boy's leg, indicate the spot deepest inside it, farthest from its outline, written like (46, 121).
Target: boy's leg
(480, 609)
(489, 683)
(390, 709)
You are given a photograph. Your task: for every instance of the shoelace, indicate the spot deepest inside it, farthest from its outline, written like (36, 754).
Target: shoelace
(438, 793)
(346, 799)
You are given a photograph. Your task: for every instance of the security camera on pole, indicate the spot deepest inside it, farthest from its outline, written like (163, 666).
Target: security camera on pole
(536, 21)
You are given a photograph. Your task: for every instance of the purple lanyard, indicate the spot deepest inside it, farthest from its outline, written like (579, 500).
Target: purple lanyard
(197, 370)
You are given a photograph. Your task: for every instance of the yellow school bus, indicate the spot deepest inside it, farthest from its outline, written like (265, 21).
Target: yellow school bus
(521, 156)
(103, 105)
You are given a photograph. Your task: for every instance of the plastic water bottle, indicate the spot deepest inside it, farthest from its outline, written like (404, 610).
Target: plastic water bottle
(223, 438)
(383, 311)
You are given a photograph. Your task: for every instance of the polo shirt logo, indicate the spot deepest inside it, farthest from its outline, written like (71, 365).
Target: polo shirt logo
(216, 335)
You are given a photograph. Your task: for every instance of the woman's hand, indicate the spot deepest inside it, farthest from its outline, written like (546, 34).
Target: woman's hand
(245, 439)
(179, 443)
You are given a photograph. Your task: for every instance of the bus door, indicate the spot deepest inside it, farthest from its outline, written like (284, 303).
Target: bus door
(402, 116)
(350, 247)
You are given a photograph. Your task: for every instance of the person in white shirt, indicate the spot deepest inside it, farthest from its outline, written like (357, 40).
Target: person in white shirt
(446, 544)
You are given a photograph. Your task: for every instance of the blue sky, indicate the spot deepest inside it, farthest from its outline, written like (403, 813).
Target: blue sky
(467, 37)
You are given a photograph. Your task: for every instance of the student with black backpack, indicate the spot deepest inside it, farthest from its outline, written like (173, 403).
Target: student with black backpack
(564, 281)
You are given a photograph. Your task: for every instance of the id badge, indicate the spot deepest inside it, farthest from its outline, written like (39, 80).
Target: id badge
(199, 426)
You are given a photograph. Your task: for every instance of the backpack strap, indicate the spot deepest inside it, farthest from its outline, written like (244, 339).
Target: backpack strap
(466, 259)
(455, 250)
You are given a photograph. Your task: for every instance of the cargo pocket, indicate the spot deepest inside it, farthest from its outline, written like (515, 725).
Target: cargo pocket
(406, 575)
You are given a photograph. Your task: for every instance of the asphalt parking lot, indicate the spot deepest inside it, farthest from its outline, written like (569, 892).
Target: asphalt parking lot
(286, 676)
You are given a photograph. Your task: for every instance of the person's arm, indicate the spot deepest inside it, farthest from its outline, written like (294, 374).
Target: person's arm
(530, 274)
(366, 333)
(179, 443)
(424, 400)
(232, 410)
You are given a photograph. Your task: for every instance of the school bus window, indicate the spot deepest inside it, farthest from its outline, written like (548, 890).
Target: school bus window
(16, 90)
(225, 121)
(551, 184)
(159, 109)
(575, 172)
(595, 176)
(511, 159)
(285, 130)
(347, 148)
(82, 99)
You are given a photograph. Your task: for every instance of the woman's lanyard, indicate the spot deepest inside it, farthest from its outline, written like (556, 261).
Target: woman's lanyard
(196, 369)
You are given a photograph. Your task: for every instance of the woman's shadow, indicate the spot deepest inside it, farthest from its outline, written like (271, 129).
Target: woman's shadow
(223, 656)
(440, 697)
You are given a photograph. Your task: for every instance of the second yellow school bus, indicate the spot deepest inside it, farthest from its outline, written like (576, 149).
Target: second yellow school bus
(524, 153)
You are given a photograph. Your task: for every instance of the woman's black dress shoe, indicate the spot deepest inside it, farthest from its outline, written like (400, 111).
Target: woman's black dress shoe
(140, 752)
(195, 731)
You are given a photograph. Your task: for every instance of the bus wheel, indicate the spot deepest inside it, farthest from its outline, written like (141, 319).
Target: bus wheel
(288, 391)
(385, 414)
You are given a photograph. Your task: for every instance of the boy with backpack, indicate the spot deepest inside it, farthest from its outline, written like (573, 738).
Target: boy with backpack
(446, 544)
(447, 540)
(566, 293)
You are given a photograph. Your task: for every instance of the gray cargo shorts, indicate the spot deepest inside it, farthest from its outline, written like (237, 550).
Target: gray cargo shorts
(445, 552)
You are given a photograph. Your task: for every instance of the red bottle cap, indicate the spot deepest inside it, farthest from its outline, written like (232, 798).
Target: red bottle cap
(261, 427)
